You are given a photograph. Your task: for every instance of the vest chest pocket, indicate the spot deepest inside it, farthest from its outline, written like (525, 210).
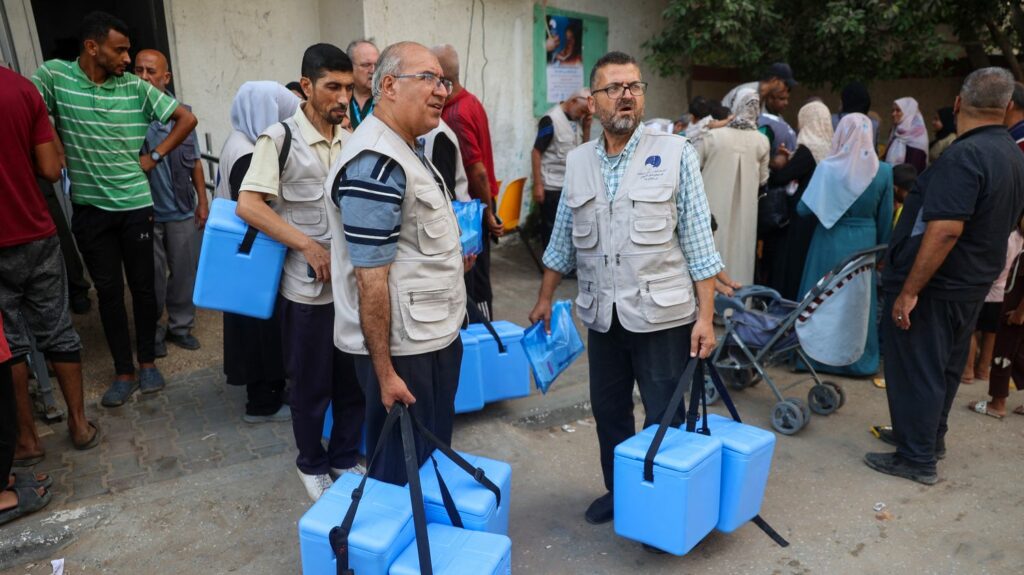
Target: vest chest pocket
(653, 215)
(584, 234)
(435, 228)
(666, 299)
(311, 220)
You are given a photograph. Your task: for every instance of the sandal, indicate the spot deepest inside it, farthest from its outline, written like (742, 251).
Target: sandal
(1019, 410)
(28, 461)
(982, 408)
(93, 442)
(22, 479)
(29, 501)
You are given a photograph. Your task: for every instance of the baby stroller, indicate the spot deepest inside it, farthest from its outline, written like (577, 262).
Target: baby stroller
(763, 329)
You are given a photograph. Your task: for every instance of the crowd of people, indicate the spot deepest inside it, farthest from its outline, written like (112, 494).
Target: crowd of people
(354, 168)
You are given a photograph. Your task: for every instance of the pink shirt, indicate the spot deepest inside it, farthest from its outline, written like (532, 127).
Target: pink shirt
(1014, 246)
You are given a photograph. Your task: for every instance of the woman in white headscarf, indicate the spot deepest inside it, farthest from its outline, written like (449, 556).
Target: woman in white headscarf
(909, 140)
(813, 144)
(850, 193)
(252, 347)
(734, 164)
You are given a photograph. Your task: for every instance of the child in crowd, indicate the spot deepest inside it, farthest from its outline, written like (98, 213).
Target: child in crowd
(903, 178)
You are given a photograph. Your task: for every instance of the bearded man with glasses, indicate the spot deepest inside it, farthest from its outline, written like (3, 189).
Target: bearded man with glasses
(634, 222)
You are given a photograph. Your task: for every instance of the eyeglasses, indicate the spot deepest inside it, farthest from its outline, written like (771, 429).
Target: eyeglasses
(616, 91)
(429, 77)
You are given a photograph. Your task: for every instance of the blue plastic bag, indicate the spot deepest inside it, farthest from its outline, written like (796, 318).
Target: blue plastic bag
(552, 354)
(471, 221)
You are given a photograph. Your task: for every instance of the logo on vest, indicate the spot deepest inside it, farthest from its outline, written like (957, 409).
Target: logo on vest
(653, 161)
(652, 170)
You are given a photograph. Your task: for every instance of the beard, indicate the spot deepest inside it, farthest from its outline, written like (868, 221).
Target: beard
(620, 125)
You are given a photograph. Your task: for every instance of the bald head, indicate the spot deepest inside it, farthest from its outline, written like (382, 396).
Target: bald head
(151, 66)
(449, 60)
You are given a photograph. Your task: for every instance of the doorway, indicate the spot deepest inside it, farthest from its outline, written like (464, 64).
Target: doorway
(57, 23)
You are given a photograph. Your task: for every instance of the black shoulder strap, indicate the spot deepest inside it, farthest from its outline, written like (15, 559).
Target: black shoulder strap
(474, 315)
(666, 419)
(477, 473)
(286, 147)
(282, 157)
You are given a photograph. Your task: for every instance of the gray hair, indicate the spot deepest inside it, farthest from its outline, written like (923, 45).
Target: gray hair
(987, 88)
(351, 49)
(389, 64)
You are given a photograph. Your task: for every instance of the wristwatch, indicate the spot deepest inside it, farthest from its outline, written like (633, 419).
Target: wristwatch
(156, 157)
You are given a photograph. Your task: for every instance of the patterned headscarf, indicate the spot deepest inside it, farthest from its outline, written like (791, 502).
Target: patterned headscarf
(909, 133)
(745, 110)
(846, 173)
(815, 125)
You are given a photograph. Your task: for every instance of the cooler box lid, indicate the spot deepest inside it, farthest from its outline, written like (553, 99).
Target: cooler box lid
(222, 218)
(680, 450)
(739, 437)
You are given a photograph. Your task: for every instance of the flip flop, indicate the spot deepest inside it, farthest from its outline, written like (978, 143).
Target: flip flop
(1019, 410)
(93, 442)
(982, 408)
(28, 502)
(28, 461)
(23, 479)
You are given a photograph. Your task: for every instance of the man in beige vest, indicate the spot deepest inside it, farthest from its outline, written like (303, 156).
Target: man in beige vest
(634, 221)
(564, 127)
(289, 166)
(397, 273)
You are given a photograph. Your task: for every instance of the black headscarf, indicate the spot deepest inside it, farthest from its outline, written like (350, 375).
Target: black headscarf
(856, 99)
(948, 123)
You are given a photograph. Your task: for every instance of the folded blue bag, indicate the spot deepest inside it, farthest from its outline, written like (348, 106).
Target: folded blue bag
(471, 221)
(552, 354)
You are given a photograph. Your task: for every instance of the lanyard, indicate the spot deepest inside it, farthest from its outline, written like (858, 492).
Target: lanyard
(358, 114)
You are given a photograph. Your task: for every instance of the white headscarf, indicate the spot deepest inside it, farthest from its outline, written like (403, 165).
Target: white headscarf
(745, 110)
(844, 175)
(259, 104)
(815, 125)
(909, 133)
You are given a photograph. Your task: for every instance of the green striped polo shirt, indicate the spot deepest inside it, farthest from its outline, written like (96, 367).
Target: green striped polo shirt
(103, 127)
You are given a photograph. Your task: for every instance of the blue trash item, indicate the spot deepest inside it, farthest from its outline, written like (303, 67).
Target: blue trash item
(329, 424)
(382, 529)
(233, 281)
(505, 373)
(471, 220)
(476, 504)
(550, 355)
(455, 551)
(746, 461)
(681, 505)
(470, 395)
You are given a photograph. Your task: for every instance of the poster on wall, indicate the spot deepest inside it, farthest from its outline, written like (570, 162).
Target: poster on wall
(564, 46)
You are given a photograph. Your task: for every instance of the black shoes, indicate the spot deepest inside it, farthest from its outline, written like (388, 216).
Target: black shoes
(896, 465)
(187, 341)
(884, 432)
(602, 510)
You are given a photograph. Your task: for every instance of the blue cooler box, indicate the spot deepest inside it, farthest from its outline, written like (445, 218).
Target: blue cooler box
(329, 424)
(680, 507)
(382, 529)
(476, 503)
(746, 461)
(230, 281)
(470, 395)
(507, 375)
(455, 551)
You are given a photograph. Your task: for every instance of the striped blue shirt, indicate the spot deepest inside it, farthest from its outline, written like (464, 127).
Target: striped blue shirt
(694, 228)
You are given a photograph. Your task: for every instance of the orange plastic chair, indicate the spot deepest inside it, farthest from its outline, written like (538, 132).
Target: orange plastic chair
(510, 209)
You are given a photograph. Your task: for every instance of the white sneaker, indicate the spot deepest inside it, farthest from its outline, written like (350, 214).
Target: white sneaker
(357, 469)
(315, 485)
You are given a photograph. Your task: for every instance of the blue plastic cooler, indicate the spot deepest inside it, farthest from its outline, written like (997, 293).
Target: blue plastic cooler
(455, 551)
(746, 462)
(475, 503)
(681, 505)
(470, 395)
(505, 375)
(228, 280)
(382, 529)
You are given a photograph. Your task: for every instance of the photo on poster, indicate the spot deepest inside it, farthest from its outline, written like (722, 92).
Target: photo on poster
(564, 45)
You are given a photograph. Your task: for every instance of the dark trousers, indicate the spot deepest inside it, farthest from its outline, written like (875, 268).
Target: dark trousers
(8, 422)
(320, 374)
(548, 211)
(478, 279)
(1008, 355)
(922, 371)
(118, 245)
(78, 286)
(433, 379)
(252, 357)
(655, 361)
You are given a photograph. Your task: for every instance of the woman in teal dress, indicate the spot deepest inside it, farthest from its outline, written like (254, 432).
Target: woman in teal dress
(851, 195)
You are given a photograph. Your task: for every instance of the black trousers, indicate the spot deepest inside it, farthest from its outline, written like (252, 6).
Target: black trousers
(548, 211)
(433, 379)
(478, 279)
(78, 286)
(655, 361)
(922, 370)
(252, 357)
(8, 422)
(321, 374)
(118, 245)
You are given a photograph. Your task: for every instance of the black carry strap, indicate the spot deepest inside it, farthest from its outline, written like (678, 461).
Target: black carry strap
(476, 472)
(282, 156)
(474, 315)
(446, 496)
(666, 420)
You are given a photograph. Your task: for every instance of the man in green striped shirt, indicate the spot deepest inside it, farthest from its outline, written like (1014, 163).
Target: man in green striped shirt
(102, 114)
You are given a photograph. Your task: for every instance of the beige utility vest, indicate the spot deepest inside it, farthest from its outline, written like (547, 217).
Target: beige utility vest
(428, 294)
(568, 135)
(627, 250)
(303, 204)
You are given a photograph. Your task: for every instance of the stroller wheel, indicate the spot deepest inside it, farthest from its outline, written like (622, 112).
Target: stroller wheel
(824, 399)
(803, 407)
(710, 391)
(787, 418)
(839, 390)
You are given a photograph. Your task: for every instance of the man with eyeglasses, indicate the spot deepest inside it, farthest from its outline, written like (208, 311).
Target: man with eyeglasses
(564, 127)
(289, 166)
(634, 222)
(397, 271)
(364, 55)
